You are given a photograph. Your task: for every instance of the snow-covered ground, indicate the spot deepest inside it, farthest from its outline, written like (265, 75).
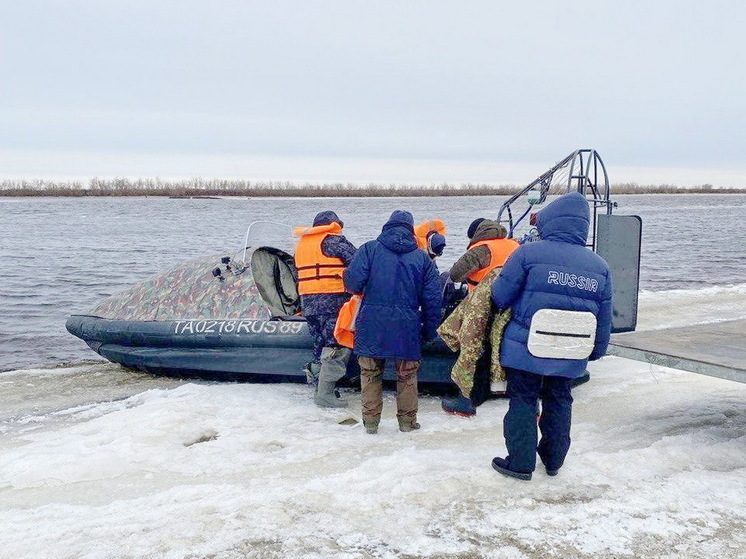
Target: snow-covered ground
(96, 461)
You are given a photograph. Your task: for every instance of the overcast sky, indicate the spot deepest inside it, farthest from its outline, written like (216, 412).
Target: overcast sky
(388, 91)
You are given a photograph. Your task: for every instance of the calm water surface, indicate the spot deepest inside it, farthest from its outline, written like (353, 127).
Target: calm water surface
(63, 255)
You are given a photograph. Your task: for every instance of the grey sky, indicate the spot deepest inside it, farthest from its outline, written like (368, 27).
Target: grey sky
(87, 86)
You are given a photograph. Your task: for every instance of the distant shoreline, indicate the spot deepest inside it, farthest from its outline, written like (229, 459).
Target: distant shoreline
(208, 188)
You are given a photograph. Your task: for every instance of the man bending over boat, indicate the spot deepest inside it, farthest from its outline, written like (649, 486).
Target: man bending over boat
(489, 248)
(430, 237)
(321, 256)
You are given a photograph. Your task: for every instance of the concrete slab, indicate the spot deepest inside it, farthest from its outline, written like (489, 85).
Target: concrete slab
(717, 350)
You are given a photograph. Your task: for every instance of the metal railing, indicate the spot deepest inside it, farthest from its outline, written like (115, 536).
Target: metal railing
(582, 171)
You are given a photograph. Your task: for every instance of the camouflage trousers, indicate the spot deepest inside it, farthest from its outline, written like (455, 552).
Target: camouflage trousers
(321, 328)
(371, 383)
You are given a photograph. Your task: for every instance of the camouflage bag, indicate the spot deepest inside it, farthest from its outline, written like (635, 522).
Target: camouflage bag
(467, 330)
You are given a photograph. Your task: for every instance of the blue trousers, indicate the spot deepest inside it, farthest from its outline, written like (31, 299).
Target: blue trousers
(519, 426)
(321, 327)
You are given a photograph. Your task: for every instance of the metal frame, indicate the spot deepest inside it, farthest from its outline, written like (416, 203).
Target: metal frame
(587, 175)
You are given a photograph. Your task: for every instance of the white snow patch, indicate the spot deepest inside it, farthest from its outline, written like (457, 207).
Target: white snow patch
(657, 469)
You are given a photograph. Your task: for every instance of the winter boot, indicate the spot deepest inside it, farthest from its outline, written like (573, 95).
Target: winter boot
(371, 425)
(407, 424)
(312, 373)
(502, 466)
(333, 367)
(460, 405)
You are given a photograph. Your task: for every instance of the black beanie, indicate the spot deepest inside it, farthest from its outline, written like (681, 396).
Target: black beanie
(327, 217)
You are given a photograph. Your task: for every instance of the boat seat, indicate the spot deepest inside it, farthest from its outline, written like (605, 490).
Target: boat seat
(275, 276)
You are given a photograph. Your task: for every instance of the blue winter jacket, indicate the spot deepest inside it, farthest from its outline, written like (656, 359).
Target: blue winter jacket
(397, 280)
(556, 272)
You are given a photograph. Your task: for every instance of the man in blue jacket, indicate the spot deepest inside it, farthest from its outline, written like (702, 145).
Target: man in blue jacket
(560, 293)
(401, 307)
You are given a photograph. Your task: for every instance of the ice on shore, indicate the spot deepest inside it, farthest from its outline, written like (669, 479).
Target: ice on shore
(684, 307)
(171, 469)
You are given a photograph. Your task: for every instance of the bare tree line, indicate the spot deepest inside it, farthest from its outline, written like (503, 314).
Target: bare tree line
(236, 187)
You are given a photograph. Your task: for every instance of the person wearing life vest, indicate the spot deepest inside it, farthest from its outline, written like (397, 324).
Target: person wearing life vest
(430, 237)
(489, 249)
(424, 232)
(321, 257)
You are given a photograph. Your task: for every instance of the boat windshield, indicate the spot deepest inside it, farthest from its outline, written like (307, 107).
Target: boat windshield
(267, 234)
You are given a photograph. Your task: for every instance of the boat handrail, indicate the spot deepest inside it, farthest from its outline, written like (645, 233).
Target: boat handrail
(580, 170)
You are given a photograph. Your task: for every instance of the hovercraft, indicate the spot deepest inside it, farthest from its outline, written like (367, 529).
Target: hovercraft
(221, 317)
(238, 317)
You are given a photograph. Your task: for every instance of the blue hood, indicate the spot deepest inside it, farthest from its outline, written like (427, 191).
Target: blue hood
(402, 294)
(398, 233)
(566, 220)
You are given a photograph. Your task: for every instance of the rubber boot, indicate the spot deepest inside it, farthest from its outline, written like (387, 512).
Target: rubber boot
(371, 425)
(460, 405)
(407, 424)
(333, 367)
(327, 396)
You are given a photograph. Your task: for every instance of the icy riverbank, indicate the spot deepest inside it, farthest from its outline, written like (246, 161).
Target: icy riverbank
(149, 467)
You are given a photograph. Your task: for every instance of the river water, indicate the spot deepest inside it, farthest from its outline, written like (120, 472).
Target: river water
(63, 255)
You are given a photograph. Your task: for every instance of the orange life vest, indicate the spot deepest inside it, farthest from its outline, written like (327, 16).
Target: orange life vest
(500, 249)
(421, 230)
(318, 273)
(344, 329)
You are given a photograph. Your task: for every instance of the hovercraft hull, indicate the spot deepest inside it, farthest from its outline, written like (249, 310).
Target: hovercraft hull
(229, 349)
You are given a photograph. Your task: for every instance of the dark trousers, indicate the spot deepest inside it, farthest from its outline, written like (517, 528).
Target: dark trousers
(519, 425)
(482, 377)
(321, 327)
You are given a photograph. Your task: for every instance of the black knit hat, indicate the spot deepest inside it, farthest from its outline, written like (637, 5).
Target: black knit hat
(327, 217)
(473, 227)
